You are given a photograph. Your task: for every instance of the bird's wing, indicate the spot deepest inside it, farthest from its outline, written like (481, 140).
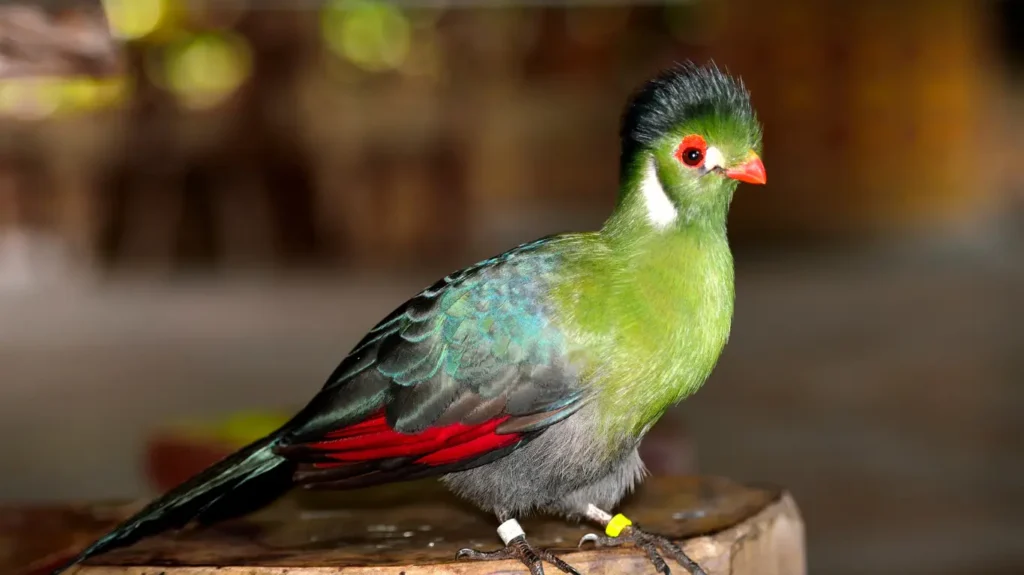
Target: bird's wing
(461, 374)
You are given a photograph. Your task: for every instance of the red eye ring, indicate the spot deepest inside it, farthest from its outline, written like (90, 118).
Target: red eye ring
(691, 151)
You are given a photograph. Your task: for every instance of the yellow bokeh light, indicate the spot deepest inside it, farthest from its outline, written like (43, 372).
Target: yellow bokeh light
(205, 70)
(373, 35)
(29, 98)
(134, 19)
(47, 97)
(87, 93)
(80, 93)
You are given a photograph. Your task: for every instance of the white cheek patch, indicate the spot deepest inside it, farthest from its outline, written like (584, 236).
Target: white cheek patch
(660, 210)
(713, 158)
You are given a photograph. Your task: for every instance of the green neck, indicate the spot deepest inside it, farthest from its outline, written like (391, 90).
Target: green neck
(697, 211)
(666, 294)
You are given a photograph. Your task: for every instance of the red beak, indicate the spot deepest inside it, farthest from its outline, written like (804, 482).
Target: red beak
(750, 171)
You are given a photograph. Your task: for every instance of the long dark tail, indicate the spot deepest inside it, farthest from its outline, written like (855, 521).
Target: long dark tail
(242, 482)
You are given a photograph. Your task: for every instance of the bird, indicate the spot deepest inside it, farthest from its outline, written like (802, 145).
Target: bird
(526, 381)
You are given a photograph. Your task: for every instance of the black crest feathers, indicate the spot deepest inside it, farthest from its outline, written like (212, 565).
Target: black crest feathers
(677, 94)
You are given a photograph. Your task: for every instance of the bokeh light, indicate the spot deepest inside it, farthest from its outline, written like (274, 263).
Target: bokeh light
(376, 36)
(46, 97)
(203, 70)
(28, 99)
(239, 428)
(135, 19)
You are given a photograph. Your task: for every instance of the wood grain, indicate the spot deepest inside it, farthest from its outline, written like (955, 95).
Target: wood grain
(416, 528)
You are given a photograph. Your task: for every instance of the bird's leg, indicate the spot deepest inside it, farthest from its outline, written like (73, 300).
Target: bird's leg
(516, 547)
(619, 530)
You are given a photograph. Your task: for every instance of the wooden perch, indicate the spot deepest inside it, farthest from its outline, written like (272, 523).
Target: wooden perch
(416, 528)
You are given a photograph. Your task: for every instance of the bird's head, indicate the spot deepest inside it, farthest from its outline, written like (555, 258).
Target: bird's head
(689, 136)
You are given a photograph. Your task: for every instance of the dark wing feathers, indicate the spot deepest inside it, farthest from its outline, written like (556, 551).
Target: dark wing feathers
(464, 372)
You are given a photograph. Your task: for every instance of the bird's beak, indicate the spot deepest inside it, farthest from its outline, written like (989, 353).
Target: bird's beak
(750, 171)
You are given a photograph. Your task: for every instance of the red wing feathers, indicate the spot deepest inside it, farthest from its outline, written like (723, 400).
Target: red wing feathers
(373, 439)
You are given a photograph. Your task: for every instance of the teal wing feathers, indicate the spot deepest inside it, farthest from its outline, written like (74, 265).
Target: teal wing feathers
(479, 350)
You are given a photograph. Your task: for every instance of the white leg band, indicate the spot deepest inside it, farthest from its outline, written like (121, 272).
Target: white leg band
(509, 530)
(598, 515)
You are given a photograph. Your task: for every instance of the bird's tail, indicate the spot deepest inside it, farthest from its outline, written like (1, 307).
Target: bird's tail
(244, 481)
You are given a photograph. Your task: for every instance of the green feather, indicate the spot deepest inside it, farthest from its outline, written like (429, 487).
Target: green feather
(646, 306)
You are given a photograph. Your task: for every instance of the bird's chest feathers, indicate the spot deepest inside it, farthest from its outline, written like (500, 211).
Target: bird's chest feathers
(683, 310)
(674, 316)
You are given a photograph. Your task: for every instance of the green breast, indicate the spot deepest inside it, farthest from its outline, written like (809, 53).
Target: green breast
(649, 323)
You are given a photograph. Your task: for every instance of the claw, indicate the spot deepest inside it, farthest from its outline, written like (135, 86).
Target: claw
(557, 562)
(601, 540)
(519, 549)
(653, 545)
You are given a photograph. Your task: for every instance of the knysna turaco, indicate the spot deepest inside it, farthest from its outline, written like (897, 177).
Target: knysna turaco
(526, 381)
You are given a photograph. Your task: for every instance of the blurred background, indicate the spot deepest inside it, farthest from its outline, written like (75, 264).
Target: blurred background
(201, 214)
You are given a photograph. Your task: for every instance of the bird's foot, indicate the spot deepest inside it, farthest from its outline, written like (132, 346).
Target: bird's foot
(654, 545)
(519, 549)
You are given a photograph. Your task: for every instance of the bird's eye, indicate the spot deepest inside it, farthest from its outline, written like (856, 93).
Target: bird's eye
(691, 151)
(692, 157)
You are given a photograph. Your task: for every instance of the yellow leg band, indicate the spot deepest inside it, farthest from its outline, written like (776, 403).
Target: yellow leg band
(616, 525)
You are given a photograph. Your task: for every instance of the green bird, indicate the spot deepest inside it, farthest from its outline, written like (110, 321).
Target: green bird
(527, 381)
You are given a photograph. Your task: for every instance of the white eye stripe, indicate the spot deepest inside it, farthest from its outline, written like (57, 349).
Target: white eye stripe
(713, 158)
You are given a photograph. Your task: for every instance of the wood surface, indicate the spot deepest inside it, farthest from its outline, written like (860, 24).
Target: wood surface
(417, 528)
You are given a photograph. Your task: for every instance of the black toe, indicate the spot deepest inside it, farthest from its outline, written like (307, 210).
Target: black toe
(520, 549)
(655, 546)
